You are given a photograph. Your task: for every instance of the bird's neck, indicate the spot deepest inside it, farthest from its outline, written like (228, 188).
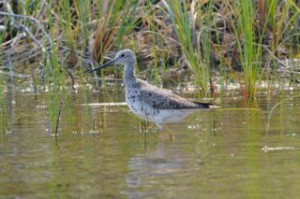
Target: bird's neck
(129, 76)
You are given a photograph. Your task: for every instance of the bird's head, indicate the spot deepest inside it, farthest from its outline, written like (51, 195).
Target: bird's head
(124, 57)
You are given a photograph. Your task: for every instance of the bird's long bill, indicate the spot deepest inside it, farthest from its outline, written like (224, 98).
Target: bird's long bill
(109, 63)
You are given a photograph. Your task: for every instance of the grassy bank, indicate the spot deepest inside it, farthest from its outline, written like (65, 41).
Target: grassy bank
(235, 40)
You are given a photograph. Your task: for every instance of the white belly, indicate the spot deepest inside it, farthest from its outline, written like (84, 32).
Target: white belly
(159, 116)
(172, 116)
(148, 113)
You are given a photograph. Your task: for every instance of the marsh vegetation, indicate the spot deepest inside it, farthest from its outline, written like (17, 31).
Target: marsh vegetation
(241, 55)
(215, 42)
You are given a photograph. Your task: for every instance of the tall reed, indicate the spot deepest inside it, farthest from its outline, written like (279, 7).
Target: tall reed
(250, 52)
(183, 19)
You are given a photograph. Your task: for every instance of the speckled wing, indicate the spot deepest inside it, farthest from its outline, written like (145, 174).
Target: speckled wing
(165, 99)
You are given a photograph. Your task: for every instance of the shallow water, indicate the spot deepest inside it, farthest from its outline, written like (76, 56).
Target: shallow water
(103, 151)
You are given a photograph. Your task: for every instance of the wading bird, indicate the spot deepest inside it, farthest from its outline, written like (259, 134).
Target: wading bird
(149, 102)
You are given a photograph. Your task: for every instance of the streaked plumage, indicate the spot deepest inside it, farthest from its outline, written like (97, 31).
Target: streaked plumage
(147, 101)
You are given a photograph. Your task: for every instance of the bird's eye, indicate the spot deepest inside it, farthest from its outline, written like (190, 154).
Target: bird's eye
(122, 56)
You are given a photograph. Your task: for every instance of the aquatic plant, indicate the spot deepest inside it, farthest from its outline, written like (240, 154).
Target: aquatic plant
(183, 17)
(223, 36)
(249, 52)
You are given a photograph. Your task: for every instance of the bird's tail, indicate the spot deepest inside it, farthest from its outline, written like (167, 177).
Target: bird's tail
(202, 104)
(207, 105)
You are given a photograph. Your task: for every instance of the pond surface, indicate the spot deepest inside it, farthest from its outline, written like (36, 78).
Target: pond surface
(103, 151)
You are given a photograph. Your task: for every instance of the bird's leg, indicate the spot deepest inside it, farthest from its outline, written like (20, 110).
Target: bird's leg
(159, 126)
(144, 127)
(166, 134)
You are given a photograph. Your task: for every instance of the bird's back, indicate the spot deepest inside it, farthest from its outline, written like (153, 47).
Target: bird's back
(165, 99)
(158, 105)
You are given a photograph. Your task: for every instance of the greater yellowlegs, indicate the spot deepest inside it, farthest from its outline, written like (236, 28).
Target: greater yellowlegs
(151, 103)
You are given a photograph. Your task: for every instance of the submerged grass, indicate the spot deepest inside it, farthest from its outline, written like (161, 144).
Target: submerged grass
(276, 106)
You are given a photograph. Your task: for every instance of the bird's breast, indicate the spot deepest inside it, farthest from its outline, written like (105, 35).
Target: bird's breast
(139, 107)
